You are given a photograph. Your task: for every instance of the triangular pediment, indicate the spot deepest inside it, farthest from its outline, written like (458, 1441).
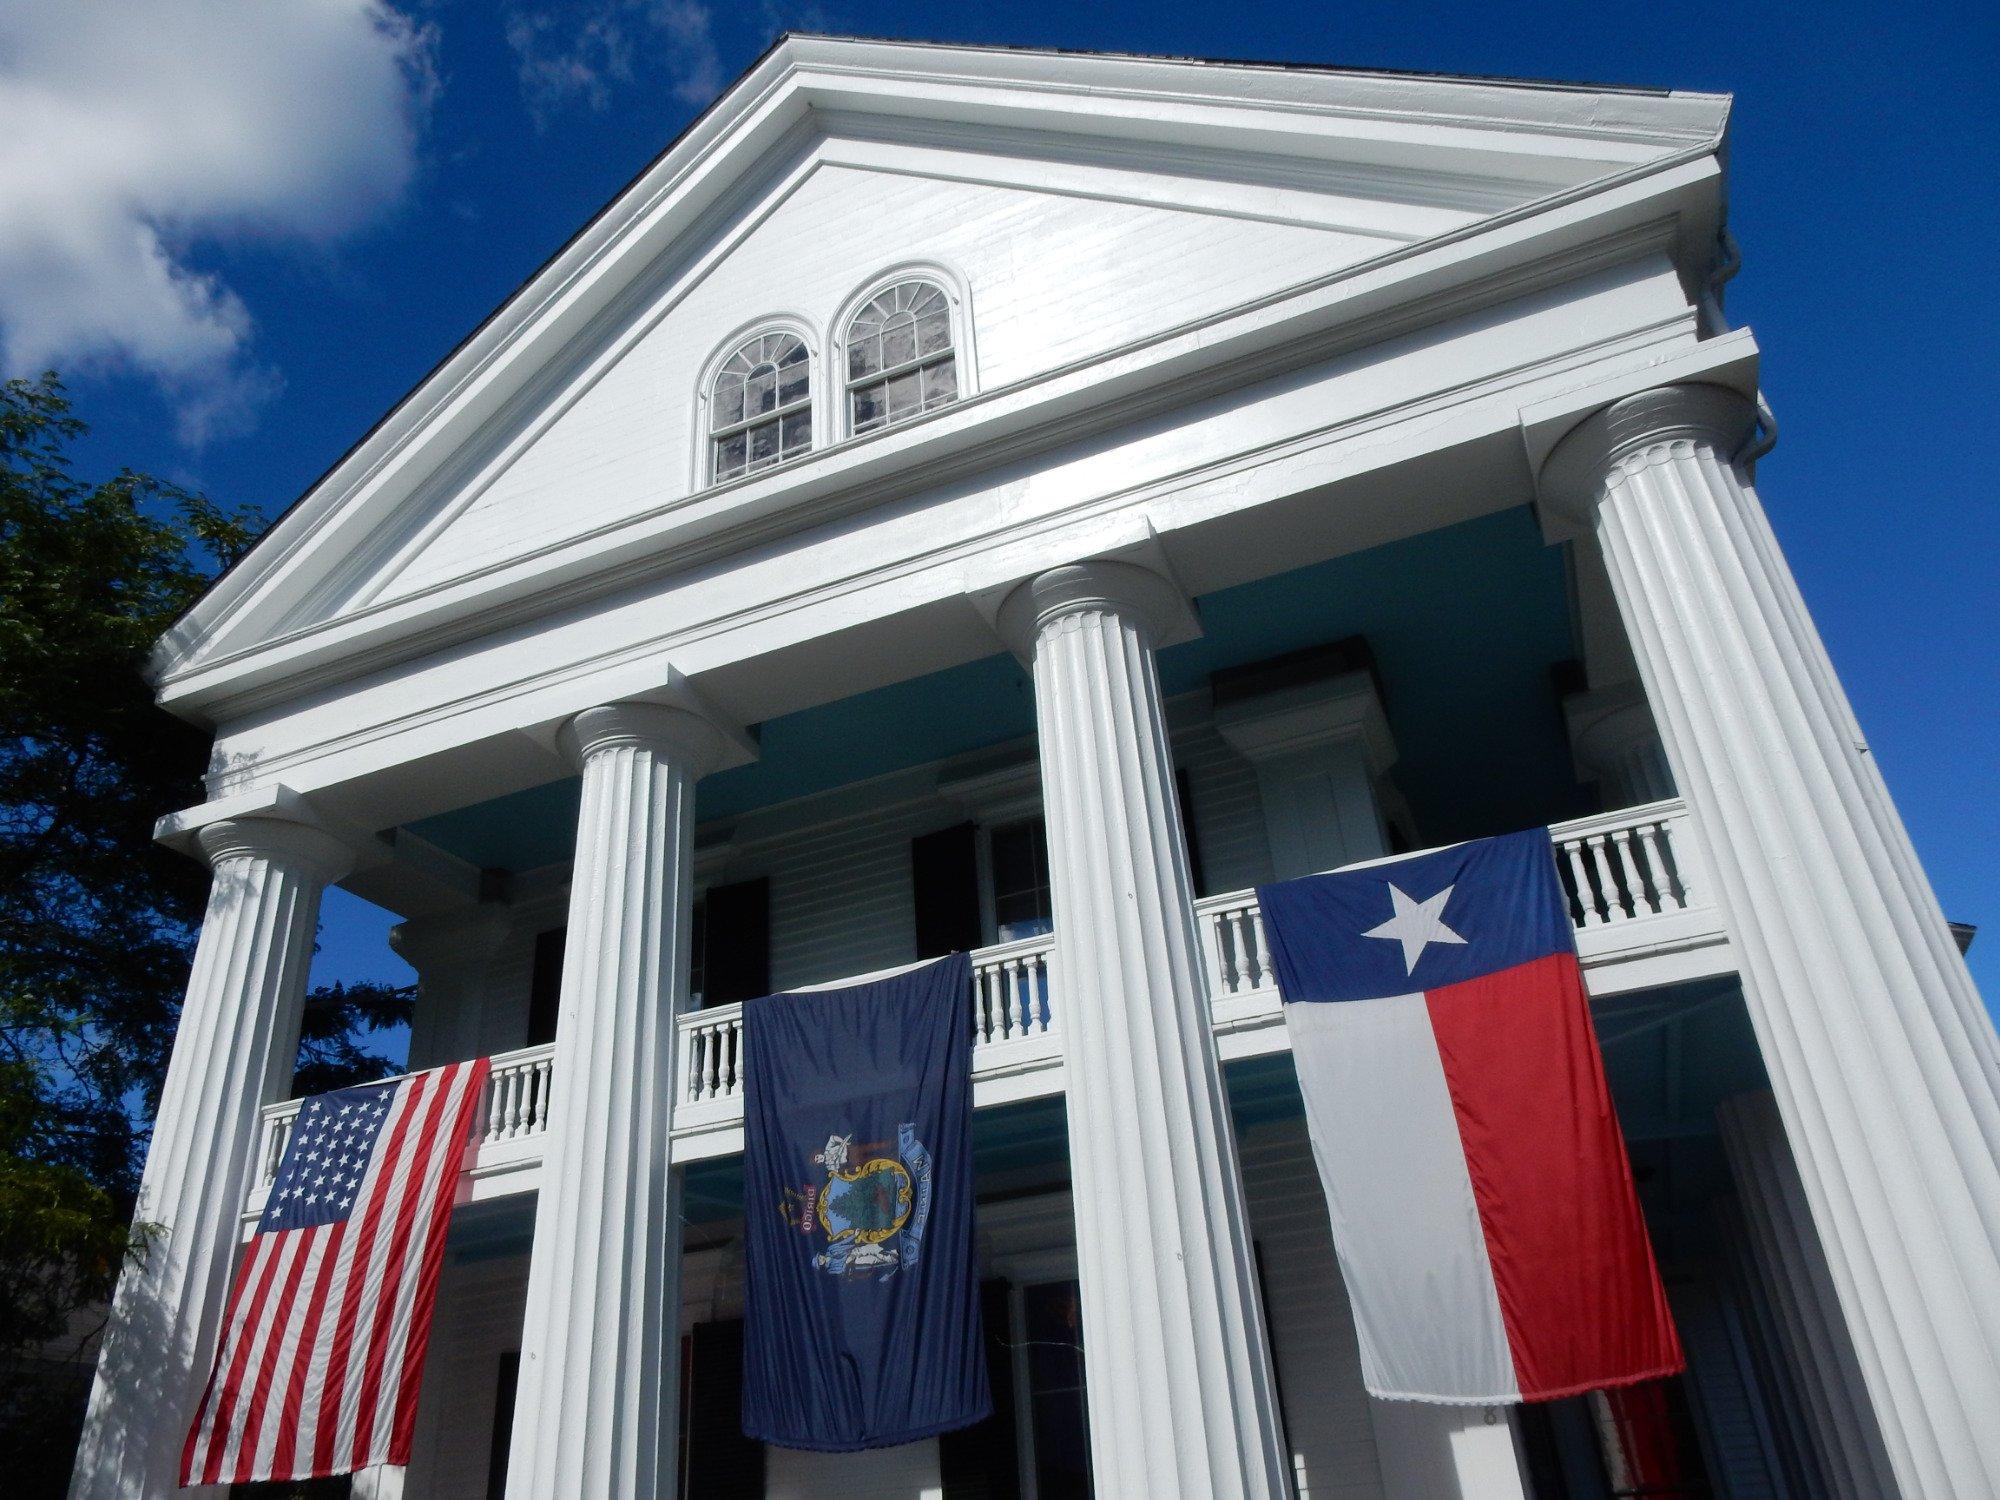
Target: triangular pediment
(1076, 207)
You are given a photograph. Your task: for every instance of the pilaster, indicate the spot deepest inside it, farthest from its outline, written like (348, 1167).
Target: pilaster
(233, 1053)
(595, 1406)
(450, 954)
(1182, 1401)
(1882, 1060)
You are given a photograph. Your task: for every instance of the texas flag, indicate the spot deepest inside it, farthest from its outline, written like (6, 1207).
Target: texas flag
(1483, 1208)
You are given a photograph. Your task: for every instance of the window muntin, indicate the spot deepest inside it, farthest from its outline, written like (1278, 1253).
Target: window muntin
(760, 407)
(901, 360)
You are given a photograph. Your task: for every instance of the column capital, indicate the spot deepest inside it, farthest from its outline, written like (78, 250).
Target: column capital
(688, 739)
(298, 846)
(1098, 585)
(1599, 452)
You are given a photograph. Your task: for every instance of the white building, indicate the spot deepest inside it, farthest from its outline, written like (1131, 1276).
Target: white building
(1157, 477)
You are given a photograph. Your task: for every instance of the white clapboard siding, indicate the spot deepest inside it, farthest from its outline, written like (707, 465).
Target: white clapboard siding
(1313, 1342)
(478, 1319)
(1052, 278)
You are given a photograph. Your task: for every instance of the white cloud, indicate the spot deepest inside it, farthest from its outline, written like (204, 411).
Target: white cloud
(577, 51)
(134, 132)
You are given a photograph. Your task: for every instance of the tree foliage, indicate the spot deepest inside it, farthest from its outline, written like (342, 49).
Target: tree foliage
(98, 922)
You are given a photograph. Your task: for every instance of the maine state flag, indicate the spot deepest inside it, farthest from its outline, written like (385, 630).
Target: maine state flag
(861, 1324)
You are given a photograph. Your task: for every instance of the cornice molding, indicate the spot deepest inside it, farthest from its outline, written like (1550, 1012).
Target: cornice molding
(805, 76)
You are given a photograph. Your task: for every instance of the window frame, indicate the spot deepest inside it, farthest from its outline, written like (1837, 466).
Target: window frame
(964, 360)
(707, 432)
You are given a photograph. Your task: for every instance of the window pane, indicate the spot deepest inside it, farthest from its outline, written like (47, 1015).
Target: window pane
(763, 444)
(899, 342)
(940, 383)
(729, 456)
(728, 401)
(796, 432)
(793, 380)
(868, 410)
(905, 395)
(760, 391)
(864, 356)
(1021, 905)
(934, 333)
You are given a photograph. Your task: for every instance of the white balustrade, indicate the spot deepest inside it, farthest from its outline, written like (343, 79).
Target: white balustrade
(1010, 1001)
(1616, 867)
(515, 1104)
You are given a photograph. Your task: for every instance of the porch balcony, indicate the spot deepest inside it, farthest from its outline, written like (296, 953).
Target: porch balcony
(1643, 913)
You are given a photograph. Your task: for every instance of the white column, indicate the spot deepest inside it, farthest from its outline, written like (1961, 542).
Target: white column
(233, 1052)
(450, 954)
(1884, 1064)
(1180, 1388)
(1793, 1272)
(594, 1412)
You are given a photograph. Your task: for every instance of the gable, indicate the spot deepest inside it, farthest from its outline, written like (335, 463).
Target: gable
(1049, 279)
(1087, 211)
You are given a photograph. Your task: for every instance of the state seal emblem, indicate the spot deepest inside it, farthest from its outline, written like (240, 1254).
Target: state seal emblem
(866, 1213)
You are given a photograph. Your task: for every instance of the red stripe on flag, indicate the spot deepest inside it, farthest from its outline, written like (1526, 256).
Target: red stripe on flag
(285, 1454)
(198, 1432)
(260, 1387)
(263, 1263)
(1579, 1293)
(327, 1432)
(381, 1321)
(402, 1436)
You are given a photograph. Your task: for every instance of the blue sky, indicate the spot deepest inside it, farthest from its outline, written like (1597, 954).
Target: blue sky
(325, 199)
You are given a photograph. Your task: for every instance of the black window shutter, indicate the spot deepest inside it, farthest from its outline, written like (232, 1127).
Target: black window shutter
(736, 947)
(545, 987)
(1184, 794)
(944, 873)
(722, 1464)
(980, 1462)
(503, 1424)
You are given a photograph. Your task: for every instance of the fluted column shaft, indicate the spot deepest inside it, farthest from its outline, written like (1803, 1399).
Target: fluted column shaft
(233, 1052)
(1882, 1060)
(595, 1406)
(1181, 1396)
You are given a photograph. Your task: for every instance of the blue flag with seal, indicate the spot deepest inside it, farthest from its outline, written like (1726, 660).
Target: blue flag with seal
(861, 1319)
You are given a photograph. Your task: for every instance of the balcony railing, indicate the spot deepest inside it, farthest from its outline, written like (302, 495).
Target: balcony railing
(1626, 873)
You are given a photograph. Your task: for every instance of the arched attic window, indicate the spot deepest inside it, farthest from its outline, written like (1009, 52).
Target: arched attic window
(901, 360)
(760, 406)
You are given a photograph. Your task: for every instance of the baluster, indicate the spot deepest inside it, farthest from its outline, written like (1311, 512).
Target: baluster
(1041, 1005)
(1625, 844)
(1665, 895)
(1221, 935)
(495, 1119)
(1586, 901)
(712, 1074)
(1614, 908)
(513, 1103)
(985, 983)
(543, 1077)
(735, 1083)
(1015, 997)
(1265, 979)
(697, 1045)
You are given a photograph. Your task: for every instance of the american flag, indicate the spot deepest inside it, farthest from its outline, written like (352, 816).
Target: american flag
(323, 1345)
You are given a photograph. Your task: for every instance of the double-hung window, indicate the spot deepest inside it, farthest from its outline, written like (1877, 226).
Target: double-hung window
(760, 406)
(900, 358)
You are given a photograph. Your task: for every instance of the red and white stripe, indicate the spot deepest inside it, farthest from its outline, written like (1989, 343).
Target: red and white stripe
(324, 1342)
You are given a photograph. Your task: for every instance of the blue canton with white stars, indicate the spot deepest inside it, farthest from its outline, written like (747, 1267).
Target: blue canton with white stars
(326, 1158)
